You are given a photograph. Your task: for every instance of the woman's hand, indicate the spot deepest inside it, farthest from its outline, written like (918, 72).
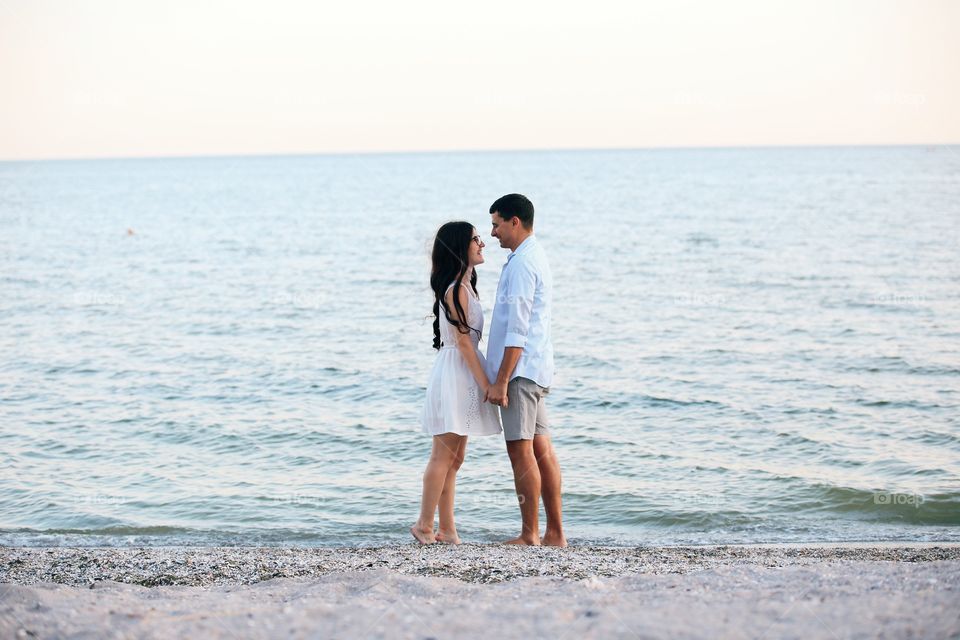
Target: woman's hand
(484, 387)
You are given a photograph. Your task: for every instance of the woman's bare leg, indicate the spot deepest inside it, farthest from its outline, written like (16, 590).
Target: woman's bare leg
(448, 528)
(445, 447)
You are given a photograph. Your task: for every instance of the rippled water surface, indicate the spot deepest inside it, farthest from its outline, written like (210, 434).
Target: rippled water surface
(752, 345)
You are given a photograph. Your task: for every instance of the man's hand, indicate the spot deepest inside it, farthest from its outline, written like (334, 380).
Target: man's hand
(497, 394)
(498, 390)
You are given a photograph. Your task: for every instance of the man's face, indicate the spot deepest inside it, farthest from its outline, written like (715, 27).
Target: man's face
(503, 230)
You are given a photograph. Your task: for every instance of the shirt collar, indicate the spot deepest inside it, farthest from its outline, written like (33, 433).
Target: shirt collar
(525, 246)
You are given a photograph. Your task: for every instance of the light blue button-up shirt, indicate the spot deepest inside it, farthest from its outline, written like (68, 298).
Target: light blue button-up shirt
(521, 314)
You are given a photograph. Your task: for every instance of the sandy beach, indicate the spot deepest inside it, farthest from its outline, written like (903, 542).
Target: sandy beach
(892, 590)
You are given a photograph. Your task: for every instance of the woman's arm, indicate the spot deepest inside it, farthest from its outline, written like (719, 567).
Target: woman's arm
(464, 344)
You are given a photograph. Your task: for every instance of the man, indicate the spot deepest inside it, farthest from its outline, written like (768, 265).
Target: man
(520, 364)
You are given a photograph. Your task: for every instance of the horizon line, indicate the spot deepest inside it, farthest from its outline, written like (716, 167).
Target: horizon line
(280, 154)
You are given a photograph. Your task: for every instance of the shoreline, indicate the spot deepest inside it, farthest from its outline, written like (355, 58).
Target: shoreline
(468, 562)
(816, 590)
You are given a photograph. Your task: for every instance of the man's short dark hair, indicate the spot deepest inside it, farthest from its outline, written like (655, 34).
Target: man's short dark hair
(514, 205)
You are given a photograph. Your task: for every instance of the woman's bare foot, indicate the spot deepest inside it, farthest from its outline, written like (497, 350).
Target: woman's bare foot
(533, 542)
(423, 536)
(447, 538)
(554, 540)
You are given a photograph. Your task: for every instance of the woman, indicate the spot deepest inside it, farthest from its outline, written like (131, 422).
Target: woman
(454, 408)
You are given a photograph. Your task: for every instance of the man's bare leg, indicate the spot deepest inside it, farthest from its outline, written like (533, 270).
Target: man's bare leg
(526, 478)
(549, 468)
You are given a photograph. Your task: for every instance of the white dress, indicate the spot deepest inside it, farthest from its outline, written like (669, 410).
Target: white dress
(454, 402)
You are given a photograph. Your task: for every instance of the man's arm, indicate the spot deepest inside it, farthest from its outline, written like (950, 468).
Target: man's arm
(497, 393)
(523, 285)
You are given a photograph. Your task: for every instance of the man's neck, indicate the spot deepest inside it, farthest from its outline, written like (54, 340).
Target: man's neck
(521, 241)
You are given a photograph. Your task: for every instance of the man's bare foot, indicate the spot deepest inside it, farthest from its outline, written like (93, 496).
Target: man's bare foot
(447, 538)
(533, 542)
(423, 537)
(554, 540)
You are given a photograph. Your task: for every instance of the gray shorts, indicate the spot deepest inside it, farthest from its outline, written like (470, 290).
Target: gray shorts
(526, 412)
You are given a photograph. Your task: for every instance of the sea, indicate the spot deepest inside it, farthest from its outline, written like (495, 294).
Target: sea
(753, 345)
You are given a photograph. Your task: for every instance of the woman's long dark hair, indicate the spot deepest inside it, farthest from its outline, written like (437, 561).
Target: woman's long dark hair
(450, 261)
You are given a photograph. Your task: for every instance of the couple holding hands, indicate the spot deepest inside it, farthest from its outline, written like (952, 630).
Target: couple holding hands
(465, 388)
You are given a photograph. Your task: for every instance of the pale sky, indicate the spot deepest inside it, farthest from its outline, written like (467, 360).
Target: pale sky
(107, 78)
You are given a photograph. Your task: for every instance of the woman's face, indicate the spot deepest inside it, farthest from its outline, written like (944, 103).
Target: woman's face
(475, 252)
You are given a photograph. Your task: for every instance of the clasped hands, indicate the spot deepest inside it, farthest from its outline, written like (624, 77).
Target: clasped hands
(496, 393)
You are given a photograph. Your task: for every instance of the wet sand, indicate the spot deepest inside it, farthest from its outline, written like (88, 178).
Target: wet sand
(868, 590)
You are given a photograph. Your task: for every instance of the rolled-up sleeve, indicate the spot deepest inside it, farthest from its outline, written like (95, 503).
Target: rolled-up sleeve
(523, 284)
